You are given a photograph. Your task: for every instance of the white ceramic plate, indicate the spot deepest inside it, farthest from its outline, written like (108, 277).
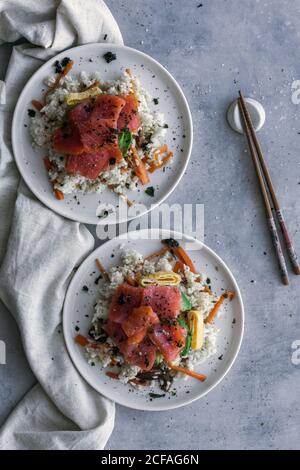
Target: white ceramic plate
(156, 80)
(78, 312)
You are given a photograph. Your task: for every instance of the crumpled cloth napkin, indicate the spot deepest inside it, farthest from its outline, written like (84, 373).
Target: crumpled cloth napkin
(39, 249)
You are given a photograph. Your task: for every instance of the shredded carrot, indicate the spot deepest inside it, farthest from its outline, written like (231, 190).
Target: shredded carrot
(207, 289)
(212, 315)
(82, 340)
(178, 267)
(47, 163)
(37, 105)
(139, 167)
(95, 84)
(58, 194)
(156, 254)
(131, 281)
(112, 375)
(66, 70)
(113, 361)
(154, 165)
(191, 373)
(102, 269)
(184, 258)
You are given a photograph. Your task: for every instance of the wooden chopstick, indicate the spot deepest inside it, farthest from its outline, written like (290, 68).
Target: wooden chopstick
(270, 218)
(287, 239)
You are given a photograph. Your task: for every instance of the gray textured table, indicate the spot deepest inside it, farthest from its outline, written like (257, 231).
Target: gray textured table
(213, 50)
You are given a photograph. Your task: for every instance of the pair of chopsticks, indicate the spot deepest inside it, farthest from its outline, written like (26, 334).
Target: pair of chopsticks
(269, 197)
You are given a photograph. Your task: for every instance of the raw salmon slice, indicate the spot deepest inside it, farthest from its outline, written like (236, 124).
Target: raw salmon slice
(169, 340)
(91, 128)
(142, 356)
(118, 337)
(91, 164)
(100, 127)
(129, 117)
(124, 301)
(141, 318)
(67, 140)
(164, 300)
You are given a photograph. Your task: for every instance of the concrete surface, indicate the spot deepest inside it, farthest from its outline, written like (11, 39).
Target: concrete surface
(213, 50)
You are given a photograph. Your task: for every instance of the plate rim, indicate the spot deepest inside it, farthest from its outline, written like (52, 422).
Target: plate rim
(185, 237)
(61, 211)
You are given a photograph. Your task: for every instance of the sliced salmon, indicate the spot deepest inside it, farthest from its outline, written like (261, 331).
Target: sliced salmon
(141, 318)
(164, 300)
(169, 339)
(142, 355)
(124, 301)
(100, 127)
(67, 140)
(91, 164)
(91, 129)
(129, 117)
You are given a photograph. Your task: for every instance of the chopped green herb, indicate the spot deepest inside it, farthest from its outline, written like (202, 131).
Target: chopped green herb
(208, 281)
(156, 395)
(85, 288)
(150, 191)
(155, 100)
(125, 139)
(171, 242)
(98, 279)
(31, 112)
(65, 61)
(58, 67)
(105, 213)
(166, 126)
(109, 57)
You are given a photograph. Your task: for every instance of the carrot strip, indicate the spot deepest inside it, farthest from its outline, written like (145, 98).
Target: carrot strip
(101, 269)
(178, 267)
(112, 375)
(184, 258)
(139, 167)
(82, 340)
(191, 373)
(58, 194)
(207, 289)
(95, 84)
(47, 163)
(227, 295)
(66, 70)
(154, 167)
(37, 105)
(156, 254)
(130, 280)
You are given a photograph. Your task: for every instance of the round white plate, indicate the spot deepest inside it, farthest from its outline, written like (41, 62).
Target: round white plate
(78, 313)
(157, 81)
